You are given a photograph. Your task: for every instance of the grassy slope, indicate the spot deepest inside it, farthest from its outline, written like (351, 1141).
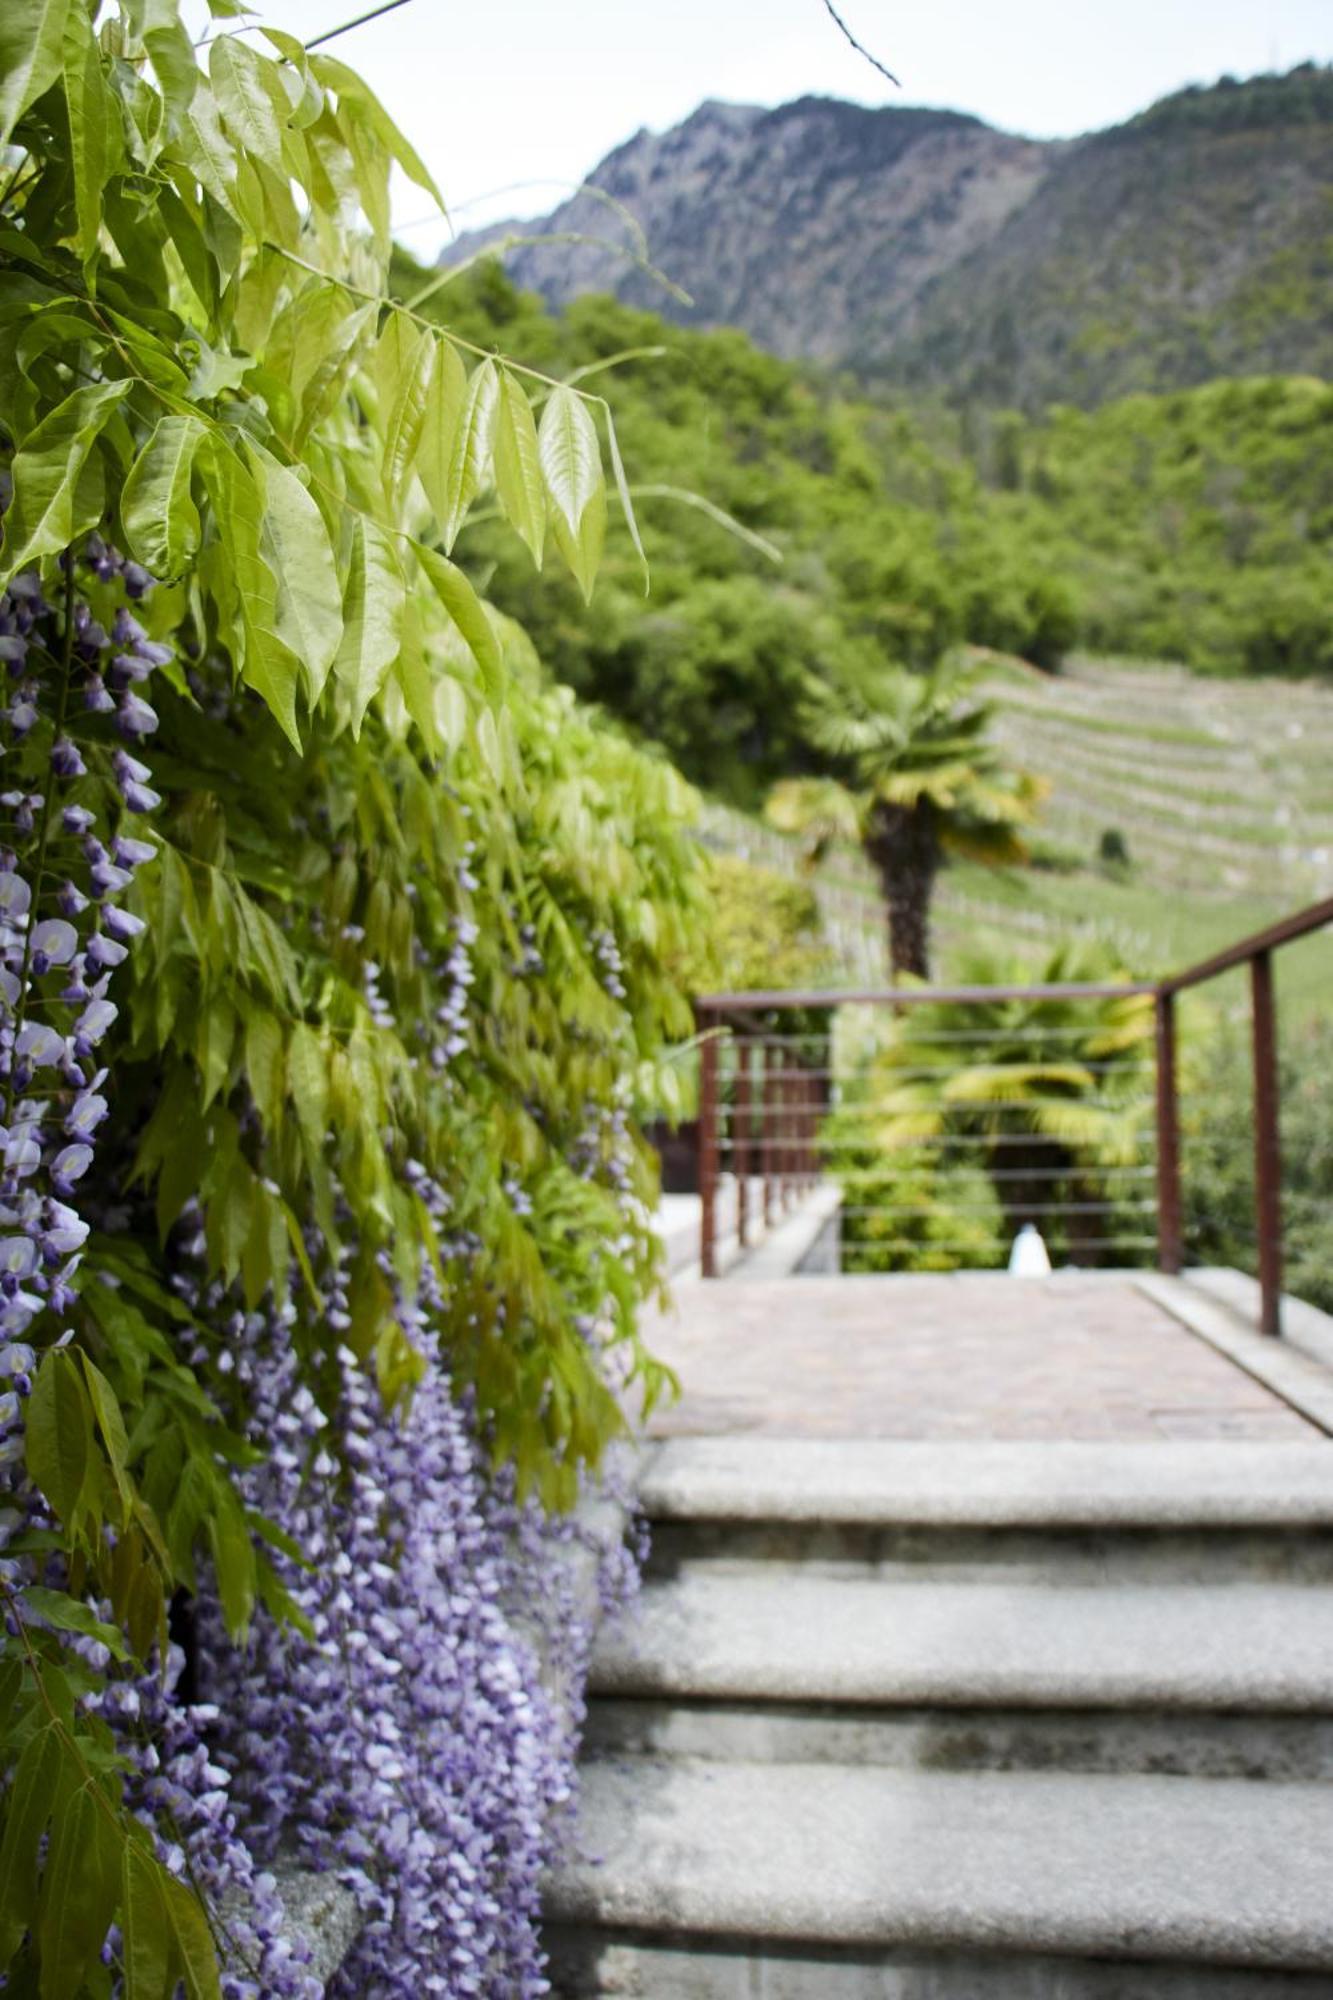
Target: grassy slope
(1218, 788)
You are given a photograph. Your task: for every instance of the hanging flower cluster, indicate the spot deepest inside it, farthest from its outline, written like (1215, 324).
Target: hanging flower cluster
(456, 976)
(411, 1743)
(64, 871)
(610, 962)
(178, 1789)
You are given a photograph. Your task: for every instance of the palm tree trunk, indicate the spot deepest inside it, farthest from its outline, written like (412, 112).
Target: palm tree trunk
(905, 849)
(1092, 1245)
(1026, 1175)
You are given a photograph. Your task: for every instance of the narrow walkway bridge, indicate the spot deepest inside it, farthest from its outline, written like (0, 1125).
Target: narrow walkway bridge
(986, 1648)
(986, 1653)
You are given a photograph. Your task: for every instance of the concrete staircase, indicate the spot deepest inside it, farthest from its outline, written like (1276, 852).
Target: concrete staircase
(929, 1722)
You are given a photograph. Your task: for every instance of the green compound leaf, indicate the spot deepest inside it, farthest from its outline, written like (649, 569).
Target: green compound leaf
(172, 55)
(79, 1884)
(622, 489)
(265, 1063)
(518, 466)
(296, 546)
(32, 36)
(470, 458)
(64, 1613)
(444, 416)
(160, 519)
(53, 502)
(111, 1423)
(208, 151)
(468, 613)
(372, 616)
(29, 1800)
(308, 1082)
(403, 365)
(268, 664)
(94, 130)
(250, 98)
(166, 1933)
(59, 1428)
(356, 94)
(571, 462)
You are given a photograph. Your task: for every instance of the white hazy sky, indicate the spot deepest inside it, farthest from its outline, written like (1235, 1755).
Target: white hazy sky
(497, 92)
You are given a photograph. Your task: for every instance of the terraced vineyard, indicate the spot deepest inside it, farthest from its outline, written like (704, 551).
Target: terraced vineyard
(1220, 791)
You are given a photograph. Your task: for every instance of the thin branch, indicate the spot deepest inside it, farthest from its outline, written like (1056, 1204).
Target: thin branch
(874, 61)
(359, 22)
(709, 507)
(25, 173)
(498, 247)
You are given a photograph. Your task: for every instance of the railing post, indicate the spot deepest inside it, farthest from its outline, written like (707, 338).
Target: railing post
(811, 1094)
(1267, 1150)
(803, 1101)
(1168, 1139)
(707, 1146)
(766, 1128)
(740, 1144)
(798, 1142)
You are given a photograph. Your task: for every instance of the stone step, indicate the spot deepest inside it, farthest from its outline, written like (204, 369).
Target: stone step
(1094, 1514)
(594, 1965)
(1075, 1555)
(810, 1859)
(1168, 1743)
(774, 1634)
(986, 1484)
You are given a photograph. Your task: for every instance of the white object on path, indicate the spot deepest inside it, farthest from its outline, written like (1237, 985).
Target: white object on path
(1028, 1258)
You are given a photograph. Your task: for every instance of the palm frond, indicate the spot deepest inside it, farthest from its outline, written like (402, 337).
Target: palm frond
(820, 810)
(1015, 1082)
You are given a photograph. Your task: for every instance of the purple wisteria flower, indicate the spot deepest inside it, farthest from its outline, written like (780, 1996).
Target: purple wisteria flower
(411, 1744)
(62, 934)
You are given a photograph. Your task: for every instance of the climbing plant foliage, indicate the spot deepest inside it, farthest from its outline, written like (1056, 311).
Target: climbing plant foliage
(332, 1019)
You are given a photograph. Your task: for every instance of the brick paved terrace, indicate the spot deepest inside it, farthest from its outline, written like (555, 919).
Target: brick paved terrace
(1079, 1356)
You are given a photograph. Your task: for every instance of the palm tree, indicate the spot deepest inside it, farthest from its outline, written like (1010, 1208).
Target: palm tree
(1048, 1095)
(911, 774)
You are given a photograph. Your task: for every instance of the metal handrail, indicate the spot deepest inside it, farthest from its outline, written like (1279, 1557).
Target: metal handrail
(913, 996)
(1256, 951)
(1286, 931)
(716, 1010)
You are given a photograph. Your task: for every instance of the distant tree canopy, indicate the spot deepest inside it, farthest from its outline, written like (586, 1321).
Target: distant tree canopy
(1302, 96)
(1195, 526)
(853, 541)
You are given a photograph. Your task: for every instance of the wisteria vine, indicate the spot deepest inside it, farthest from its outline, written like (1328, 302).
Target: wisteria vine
(418, 1738)
(64, 870)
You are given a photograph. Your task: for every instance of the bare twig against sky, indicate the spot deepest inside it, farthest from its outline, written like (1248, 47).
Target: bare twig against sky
(874, 61)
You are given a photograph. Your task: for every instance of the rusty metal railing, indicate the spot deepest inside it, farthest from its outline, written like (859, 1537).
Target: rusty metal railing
(1255, 953)
(775, 1105)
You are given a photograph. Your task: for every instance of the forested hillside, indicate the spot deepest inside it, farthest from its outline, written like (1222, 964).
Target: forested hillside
(1195, 526)
(852, 538)
(1195, 241)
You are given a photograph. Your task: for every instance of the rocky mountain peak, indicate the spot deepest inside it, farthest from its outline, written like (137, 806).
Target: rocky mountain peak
(924, 245)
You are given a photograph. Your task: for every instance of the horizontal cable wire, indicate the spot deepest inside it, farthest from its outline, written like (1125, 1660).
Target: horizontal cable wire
(988, 1208)
(732, 1037)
